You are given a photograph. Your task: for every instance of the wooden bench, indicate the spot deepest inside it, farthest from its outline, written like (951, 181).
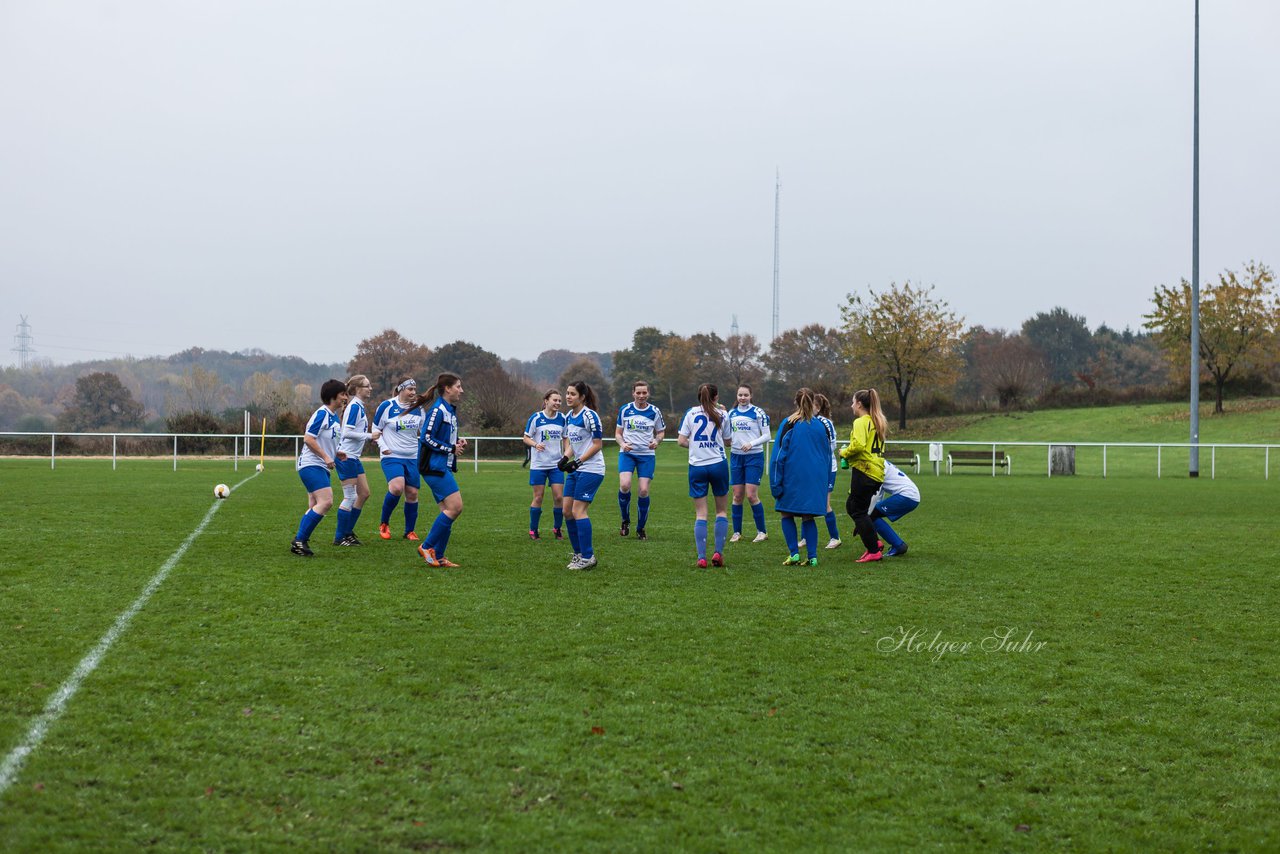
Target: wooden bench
(988, 459)
(903, 457)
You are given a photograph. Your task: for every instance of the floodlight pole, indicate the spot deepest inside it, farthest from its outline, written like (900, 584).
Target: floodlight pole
(1195, 258)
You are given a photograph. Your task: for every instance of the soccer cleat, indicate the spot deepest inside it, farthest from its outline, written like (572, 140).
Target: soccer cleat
(559, 534)
(353, 540)
(384, 531)
(813, 561)
(736, 536)
(641, 535)
(429, 555)
(411, 536)
(447, 564)
(573, 564)
(717, 559)
(587, 563)
(760, 537)
(301, 548)
(534, 535)
(801, 542)
(897, 551)
(868, 557)
(834, 543)
(702, 563)
(794, 560)
(626, 528)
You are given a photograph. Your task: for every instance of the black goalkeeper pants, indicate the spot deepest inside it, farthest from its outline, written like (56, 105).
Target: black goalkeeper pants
(861, 490)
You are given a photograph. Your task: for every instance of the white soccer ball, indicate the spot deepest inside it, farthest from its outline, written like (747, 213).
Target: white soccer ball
(221, 491)
(258, 467)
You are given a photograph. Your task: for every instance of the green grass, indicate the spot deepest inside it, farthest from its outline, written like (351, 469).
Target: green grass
(358, 701)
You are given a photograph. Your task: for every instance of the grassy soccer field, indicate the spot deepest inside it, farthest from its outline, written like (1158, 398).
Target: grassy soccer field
(1067, 663)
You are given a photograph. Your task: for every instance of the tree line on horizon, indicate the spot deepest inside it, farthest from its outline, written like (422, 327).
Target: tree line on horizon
(904, 340)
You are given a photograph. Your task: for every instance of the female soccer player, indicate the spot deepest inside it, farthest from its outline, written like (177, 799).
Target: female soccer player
(319, 445)
(897, 497)
(798, 475)
(355, 485)
(438, 460)
(865, 453)
(583, 461)
(640, 430)
(702, 433)
(824, 415)
(543, 433)
(400, 422)
(748, 433)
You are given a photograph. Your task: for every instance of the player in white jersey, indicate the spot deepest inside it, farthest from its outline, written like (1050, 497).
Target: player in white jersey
(583, 462)
(319, 449)
(702, 432)
(639, 432)
(355, 485)
(400, 422)
(543, 435)
(897, 497)
(748, 434)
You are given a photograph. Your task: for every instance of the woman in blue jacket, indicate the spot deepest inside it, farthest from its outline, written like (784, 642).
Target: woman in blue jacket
(798, 474)
(438, 453)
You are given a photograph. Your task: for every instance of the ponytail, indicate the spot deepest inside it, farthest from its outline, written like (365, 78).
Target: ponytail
(806, 405)
(822, 405)
(443, 381)
(707, 396)
(870, 401)
(587, 393)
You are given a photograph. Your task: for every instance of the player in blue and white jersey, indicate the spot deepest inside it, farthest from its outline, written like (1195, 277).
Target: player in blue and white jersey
(319, 448)
(639, 432)
(702, 432)
(897, 497)
(583, 462)
(543, 434)
(355, 485)
(748, 434)
(824, 415)
(438, 460)
(400, 422)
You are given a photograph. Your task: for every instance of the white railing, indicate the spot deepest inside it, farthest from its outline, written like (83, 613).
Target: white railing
(243, 448)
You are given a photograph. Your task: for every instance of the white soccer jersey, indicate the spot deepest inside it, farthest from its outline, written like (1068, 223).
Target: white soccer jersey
(355, 429)
(325, 426)
(639, 426)
(546, 431)
(831, 437)
(897, 483)
(706, 446)
(749, 425)
(582, 429)
(400, 429)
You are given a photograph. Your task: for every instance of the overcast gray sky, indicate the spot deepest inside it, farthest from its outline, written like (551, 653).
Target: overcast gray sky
(296, 176)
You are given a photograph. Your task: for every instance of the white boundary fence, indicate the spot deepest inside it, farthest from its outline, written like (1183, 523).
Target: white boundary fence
(241, 448)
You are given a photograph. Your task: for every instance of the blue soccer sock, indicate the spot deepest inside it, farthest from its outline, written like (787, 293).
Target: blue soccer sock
(410, 516)
(737, 518)
(790, 535)
(572, 525)
(624, 504)
(757, 513)
(353, 518)
(886, 532)
(810, 530)
(700, 538)
(643, 503)
(308, 525)
(832, 528)
(438, 538)
(584, 537)
(535, 517)
(344, 519)
(558, 516)
(389, 502)
(722, 531)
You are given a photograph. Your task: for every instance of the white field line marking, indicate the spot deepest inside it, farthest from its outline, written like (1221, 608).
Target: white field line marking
(58, 702)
